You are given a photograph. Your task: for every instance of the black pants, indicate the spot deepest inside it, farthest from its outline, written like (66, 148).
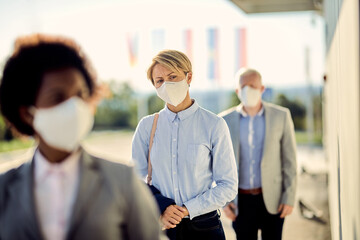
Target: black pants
(207, 226)
(253, 216)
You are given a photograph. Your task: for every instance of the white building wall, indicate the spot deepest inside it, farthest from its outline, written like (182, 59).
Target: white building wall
(342, 123)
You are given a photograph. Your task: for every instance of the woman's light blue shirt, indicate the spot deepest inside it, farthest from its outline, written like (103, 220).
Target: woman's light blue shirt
(191, 150)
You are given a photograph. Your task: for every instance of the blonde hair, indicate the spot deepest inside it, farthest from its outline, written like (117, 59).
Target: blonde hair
(175, 61)
(246, 71)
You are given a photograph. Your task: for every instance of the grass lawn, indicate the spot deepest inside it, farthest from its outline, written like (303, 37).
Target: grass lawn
(302, 138)
(15, 144)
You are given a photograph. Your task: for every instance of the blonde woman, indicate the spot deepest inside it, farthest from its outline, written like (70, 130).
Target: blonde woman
(193, 165)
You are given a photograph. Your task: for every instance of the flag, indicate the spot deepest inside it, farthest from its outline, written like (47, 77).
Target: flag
(240, 48)
(133, 48)
(157, 40)
(213, 54)
(187, 43)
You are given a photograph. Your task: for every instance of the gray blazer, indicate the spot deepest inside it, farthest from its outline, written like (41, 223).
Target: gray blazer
(111, 204)
(278, 165)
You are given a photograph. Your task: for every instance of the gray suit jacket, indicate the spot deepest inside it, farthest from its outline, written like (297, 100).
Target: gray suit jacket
(111, 204)
(278, 165)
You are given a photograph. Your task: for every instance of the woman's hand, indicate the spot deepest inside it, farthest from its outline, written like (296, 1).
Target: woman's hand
(172, 216)
(185, 211)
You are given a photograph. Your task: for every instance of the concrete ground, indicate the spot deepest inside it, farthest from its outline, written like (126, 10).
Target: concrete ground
(312, 182)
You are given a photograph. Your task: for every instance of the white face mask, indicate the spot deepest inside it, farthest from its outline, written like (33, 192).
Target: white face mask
(173, 92)
(249, 96)
(65, 125)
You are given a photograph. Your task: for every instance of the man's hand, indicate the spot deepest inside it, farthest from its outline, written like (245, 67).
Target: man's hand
(229, 211)
(172, 216)
(285, 210)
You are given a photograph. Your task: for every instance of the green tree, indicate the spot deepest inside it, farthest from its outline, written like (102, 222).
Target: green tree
(3, 129)
(155, 104)
(318, 122)
(120, 110)
(296, 108)
(234, 99)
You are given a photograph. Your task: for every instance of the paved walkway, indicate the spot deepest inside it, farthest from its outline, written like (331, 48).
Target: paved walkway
(312, 182)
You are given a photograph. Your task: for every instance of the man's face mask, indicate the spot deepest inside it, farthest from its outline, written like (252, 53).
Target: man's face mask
(65, 125)
(249, 96)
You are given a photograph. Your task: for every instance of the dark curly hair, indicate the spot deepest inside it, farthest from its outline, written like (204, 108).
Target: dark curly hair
(33, 56)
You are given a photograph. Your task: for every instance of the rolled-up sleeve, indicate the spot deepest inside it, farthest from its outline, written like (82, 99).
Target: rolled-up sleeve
(224, 174)
(140, 147)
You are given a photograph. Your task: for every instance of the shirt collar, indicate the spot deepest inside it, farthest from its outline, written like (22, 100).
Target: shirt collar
(170, 115)
(240, 109)
(42, 166)
(182, 115)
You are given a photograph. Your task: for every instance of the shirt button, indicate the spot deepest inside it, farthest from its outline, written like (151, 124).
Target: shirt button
(173, 155)
(175, 124)
(174, 139)
(174, 172)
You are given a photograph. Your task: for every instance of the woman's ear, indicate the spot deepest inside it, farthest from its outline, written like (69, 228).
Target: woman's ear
(189, 77)
(26, 115)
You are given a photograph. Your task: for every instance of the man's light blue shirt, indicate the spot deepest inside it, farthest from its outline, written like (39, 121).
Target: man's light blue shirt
(192, 158)
(252, 134)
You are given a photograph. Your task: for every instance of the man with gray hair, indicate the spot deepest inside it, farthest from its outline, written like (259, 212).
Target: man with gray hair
(264, 144)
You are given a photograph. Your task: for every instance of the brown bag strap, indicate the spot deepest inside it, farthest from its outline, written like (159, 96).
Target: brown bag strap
(153, 129)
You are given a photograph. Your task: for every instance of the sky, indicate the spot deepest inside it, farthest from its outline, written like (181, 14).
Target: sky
(276, 43)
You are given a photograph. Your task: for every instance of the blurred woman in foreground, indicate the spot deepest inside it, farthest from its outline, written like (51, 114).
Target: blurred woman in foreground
(63, 192)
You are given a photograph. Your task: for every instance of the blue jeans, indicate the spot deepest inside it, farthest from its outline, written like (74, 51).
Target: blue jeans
(207, 226)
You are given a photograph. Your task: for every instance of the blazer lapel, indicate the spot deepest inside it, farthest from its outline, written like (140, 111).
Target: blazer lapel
(23, 191)
(89, 185)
